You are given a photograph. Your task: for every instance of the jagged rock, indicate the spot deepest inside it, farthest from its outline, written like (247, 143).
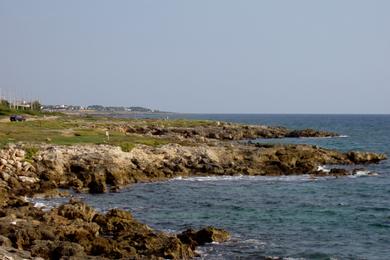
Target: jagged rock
(203, 236)
(310, 133)
(222, 131)
(56, 249)
(76, 210)
(338, 172)
(10, 253)
(365, 157)
(5, 242)
(76, 230)
(94, 168)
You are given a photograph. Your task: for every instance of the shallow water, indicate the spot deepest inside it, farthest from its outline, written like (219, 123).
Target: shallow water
(294, 216)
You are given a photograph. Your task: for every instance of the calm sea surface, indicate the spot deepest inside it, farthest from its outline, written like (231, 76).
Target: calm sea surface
(294, 217)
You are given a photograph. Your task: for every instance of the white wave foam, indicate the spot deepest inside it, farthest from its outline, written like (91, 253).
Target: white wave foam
(304, 177)
(170, 231)
(322, 168)
(40, 205)
(323, 137)
(201, 252)
(361, 173)
(214, 178)
(254, 242)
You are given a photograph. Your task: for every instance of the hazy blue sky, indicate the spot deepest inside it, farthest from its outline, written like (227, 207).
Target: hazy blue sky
(301, 56)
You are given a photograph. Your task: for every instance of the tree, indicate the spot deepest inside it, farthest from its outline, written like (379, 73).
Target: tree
(4, 103)
(36, 106)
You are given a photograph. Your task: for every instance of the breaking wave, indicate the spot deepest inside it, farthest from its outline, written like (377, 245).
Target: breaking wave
(305, 177)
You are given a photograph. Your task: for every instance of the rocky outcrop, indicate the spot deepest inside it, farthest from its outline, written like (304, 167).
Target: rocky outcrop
(219, 131)
(365, 157)
(17, 174)
(101, 168)
(309, 133)
(11, 253)
(201, 237)
(76, 230)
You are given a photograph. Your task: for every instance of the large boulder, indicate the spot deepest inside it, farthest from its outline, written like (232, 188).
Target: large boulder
(203, 236)
(57, 250)
(76, 210)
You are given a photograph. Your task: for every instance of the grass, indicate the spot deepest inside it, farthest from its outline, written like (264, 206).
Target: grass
(6, 111)
(67, 130)
(31, 151)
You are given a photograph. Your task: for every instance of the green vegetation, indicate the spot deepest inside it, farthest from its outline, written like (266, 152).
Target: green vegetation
(127, 147)
(31, 151)
(66, 130)
(6, 109)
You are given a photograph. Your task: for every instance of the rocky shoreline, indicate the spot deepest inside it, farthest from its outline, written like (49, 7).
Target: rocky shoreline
(76, 231)
(221, 131)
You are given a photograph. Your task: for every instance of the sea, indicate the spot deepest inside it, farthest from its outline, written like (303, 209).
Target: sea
(291, 217)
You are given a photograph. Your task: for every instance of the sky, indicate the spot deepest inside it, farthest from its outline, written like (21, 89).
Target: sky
(203, 56)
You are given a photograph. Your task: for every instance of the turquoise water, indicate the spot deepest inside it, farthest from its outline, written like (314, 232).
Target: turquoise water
(293, 217)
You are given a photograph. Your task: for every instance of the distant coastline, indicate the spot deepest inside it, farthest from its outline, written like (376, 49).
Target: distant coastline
(97, 113)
